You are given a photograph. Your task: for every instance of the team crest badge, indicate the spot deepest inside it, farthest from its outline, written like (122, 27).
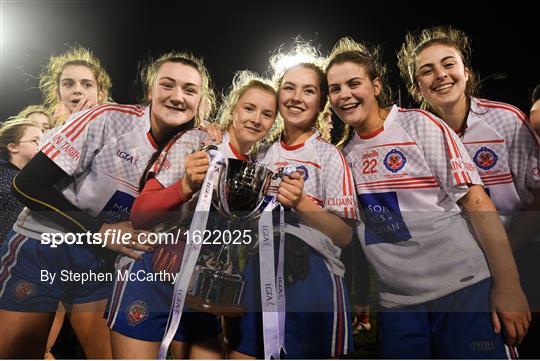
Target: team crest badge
(394, 160)
(303, 172)
(137, 312)
(485, 158)
(23, 290)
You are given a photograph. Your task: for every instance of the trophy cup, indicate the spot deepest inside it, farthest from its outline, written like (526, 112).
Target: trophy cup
(216, 285)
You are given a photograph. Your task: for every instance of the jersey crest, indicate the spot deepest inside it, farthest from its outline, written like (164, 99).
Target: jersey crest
(137, 312)
(485, 158)
(394, 160)
(303, 172)
(23, 290)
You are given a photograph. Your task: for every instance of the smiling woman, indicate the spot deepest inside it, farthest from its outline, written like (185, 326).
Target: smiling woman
(85, 150)
(435, 63)
(420, 175)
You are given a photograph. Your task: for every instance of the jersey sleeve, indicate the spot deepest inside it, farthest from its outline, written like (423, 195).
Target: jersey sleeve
(444, 153)
(74, 146)
(338, 186)
(524, 158)
(171, 166)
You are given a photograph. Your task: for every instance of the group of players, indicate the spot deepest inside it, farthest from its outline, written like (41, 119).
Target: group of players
(431, 194)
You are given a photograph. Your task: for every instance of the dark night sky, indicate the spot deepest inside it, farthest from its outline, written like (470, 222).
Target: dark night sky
(236, 35)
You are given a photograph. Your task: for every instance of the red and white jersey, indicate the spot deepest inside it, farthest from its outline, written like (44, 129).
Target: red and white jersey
(506, 152)
(327, 182)
(105, 151)
(409, 177)
(170, 166)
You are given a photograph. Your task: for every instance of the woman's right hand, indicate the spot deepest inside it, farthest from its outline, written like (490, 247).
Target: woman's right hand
(123, 238)
(196, 168)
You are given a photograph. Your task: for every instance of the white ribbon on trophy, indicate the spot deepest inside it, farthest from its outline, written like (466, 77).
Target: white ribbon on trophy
(272, 297)
(191, 254)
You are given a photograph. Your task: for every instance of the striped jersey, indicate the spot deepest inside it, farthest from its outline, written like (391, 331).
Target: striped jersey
(506, 152)
(327, 182)
(104, 151)
(170, 166)
(409, 176)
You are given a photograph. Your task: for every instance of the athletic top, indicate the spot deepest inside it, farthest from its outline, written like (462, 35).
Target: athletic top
(409, 176)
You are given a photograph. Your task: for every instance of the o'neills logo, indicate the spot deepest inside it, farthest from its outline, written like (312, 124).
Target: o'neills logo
(126, 156)
(269, 295)
(340, 202)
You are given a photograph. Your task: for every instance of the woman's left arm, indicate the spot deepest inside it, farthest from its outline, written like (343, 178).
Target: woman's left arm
(291, 194)
(509, 307)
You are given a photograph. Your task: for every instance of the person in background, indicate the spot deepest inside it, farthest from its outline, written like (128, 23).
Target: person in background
(72, 82)
(37, 114)
(19, 142)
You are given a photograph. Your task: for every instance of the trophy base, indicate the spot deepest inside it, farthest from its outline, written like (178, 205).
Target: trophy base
(201, 305)
(215, 292)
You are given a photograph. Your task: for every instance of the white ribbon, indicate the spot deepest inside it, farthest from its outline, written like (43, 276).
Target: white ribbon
(272, 297)
(280, 280)
(191, 253)
(269, 300)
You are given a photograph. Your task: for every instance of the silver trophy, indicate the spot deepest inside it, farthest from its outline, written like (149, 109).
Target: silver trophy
(216, 285)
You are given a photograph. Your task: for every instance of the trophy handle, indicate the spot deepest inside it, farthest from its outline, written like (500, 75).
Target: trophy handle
(222, 176)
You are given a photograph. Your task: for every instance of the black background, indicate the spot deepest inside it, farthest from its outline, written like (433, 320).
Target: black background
(234, 35)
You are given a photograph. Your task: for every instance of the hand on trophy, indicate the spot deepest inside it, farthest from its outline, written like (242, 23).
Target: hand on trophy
(196, 168)
(291, 190)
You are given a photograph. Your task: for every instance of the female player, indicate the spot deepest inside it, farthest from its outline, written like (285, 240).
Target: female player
(72, 82)
(105, 151)
(412, 175)
(247, 115)
(503, 146)
(319, 193)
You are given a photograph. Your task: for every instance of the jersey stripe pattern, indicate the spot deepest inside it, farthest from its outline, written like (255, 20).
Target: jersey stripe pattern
(506, 152)
(104, 151)
(409, 177)
(327, 181)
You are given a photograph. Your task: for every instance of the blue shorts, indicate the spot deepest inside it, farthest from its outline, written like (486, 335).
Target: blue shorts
(454, 326)
(25, 263)
(139, 309)
(317, 323)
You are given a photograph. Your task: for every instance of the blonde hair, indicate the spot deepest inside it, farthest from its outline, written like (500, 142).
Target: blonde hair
(49, 79)
(416, 42)
(208, 99)
(349, 50)
(33, 109)
(305, 55)
(11, 131)
(242, 81)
